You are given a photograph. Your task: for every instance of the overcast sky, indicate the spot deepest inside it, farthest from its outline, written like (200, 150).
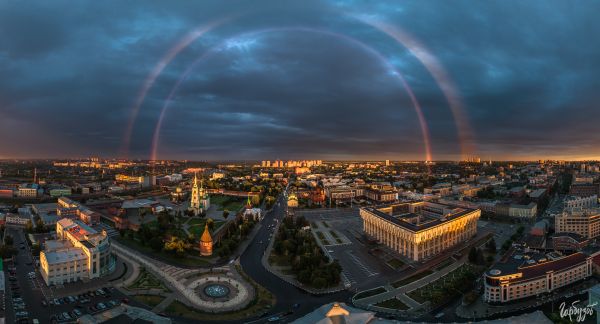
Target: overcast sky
(276, 79)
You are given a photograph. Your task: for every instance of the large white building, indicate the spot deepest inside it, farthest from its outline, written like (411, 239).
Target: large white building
(420, 230)
(78, 253)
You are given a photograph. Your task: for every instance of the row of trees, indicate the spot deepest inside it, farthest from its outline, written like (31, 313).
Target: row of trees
(300, 250)
(235, 233)
(39, 227)
(166, 234)
(7, 249)
(476, 255)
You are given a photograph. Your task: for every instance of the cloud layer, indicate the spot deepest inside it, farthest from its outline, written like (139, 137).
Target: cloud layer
(278, 83)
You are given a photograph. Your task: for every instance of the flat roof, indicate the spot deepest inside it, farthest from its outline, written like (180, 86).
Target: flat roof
(64, 255)
(517, 263)
(430, 222)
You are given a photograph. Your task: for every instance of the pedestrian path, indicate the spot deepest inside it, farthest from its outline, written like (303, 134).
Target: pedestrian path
(400, 292)
(163, 304)
(173, 277)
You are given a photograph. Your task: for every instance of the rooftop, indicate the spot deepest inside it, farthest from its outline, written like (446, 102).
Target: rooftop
(64, 255)
(138, 203)
(533, 265)
(421, 221)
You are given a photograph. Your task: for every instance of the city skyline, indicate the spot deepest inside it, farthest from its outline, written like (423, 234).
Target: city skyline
(327, 80)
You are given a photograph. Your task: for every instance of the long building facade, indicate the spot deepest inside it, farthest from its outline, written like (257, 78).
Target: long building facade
(420, 230)
(527, 275)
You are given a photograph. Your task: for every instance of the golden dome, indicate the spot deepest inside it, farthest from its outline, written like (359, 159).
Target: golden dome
(337, 310)
(206, 238)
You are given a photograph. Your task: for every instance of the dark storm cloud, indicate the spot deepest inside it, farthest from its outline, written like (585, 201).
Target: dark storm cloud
(70, 73)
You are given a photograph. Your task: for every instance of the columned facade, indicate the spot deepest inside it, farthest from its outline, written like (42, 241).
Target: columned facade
(420, 243)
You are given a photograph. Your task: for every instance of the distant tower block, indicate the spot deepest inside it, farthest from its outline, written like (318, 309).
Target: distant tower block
(206, 243)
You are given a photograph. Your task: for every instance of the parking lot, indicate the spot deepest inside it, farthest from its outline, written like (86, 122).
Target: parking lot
(27, 298)
(360, 267)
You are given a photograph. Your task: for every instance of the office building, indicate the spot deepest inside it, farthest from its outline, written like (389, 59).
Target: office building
(530, 274)
(78, 253)
(420, 230)
(585, 222)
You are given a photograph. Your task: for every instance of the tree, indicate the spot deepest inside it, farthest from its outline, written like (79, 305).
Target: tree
(210, 223)
(40, 227)
(146, 234)
(473, 255)
(35, 249)
(491, 245)
(156, 243)
(480, 259)
(225, 213)
(29, 226)
(177, 246)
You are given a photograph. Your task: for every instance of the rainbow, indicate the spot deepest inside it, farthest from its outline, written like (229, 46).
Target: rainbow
(437, 71)
(429, 61)
(182, 44)
(363, 46)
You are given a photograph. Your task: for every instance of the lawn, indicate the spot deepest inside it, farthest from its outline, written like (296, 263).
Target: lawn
(146, 280)
(197, 226)
(162, 255)
(451, 285)
(369, 293)
(412, 278)
(336, 237)
(395, 263)
(393, 303)
(233, 204)
(150, 300)
(196, 221)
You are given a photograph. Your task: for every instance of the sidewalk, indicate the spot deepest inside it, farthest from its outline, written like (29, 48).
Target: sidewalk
(401, 291)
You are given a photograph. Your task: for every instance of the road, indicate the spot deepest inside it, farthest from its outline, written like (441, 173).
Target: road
(286, 294)
(33, 291)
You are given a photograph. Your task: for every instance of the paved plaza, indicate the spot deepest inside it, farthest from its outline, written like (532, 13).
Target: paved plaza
(184, 282)
(361, 268)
